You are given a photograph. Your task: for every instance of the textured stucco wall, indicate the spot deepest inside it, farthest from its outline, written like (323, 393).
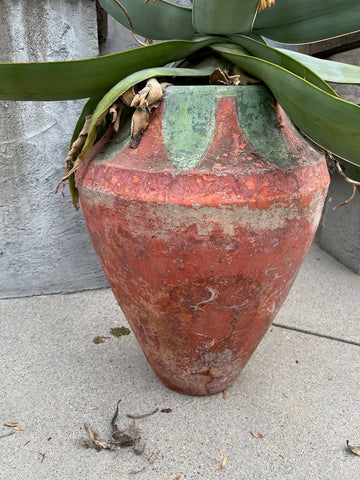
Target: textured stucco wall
(44, 244)
(340, 230)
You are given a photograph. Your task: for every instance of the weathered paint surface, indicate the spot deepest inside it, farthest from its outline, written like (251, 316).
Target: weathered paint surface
(201, 260)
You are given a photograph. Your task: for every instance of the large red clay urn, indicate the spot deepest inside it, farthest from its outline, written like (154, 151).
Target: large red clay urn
(202, 229)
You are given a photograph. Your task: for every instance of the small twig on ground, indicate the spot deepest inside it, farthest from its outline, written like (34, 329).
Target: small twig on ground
(144, 415)
(7, 435)
(42, 455)
(113, 421)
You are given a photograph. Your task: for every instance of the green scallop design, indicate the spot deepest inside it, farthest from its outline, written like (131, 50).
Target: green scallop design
(258, 122)
(188, 124)
(190, 116)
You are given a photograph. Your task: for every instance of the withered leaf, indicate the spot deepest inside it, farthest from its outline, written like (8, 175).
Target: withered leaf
(14, 426)
(115, 112)
(354, 450)
(256, 434)
(222, 77)
(98, 444)
(223, 463)
(149, 95)
(100, 144)
(79, 142)
(219, 77)
(128, 96)
(139, 122)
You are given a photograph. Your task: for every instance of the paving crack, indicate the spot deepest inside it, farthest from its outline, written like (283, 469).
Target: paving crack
(316, 334)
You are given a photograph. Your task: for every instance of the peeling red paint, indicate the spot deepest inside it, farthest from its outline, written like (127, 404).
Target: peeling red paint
(201, 261)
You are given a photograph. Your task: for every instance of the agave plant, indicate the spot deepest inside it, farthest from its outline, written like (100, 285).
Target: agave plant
(228, 34)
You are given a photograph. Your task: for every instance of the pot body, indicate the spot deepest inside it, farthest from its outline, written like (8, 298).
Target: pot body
(202, 229)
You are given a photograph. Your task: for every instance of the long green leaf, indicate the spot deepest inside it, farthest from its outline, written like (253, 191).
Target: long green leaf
(331, 71)
(305, 21)
(282, 59)
(225, 17)
(91, 77)
(332, 123)
(158, 20)
(127, 83)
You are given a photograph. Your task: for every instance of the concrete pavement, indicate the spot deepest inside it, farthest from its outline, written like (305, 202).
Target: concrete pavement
(300, 391)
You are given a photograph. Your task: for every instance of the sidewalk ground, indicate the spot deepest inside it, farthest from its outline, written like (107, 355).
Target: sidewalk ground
(300, 391)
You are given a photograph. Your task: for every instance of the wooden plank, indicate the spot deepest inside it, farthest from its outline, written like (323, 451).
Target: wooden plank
(334, 45)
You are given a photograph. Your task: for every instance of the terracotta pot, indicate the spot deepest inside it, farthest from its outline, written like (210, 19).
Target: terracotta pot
(202, 229)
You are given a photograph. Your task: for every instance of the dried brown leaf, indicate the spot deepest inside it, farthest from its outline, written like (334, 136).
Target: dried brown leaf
(150, 94)
(128, 96)
(99, 145)
(98, 444)
(177, 478)
(222, 77)
(115, 112)
(224, 394)
(256, 434)
(139, 122)
(14, 426)
(242, 78)
(223, 463)
(354, 450)
(79, 142)
(219, 77)
(235, 80)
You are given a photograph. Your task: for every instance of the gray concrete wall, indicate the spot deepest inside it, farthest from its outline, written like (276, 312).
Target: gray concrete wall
(44, 244)
(339, 233)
